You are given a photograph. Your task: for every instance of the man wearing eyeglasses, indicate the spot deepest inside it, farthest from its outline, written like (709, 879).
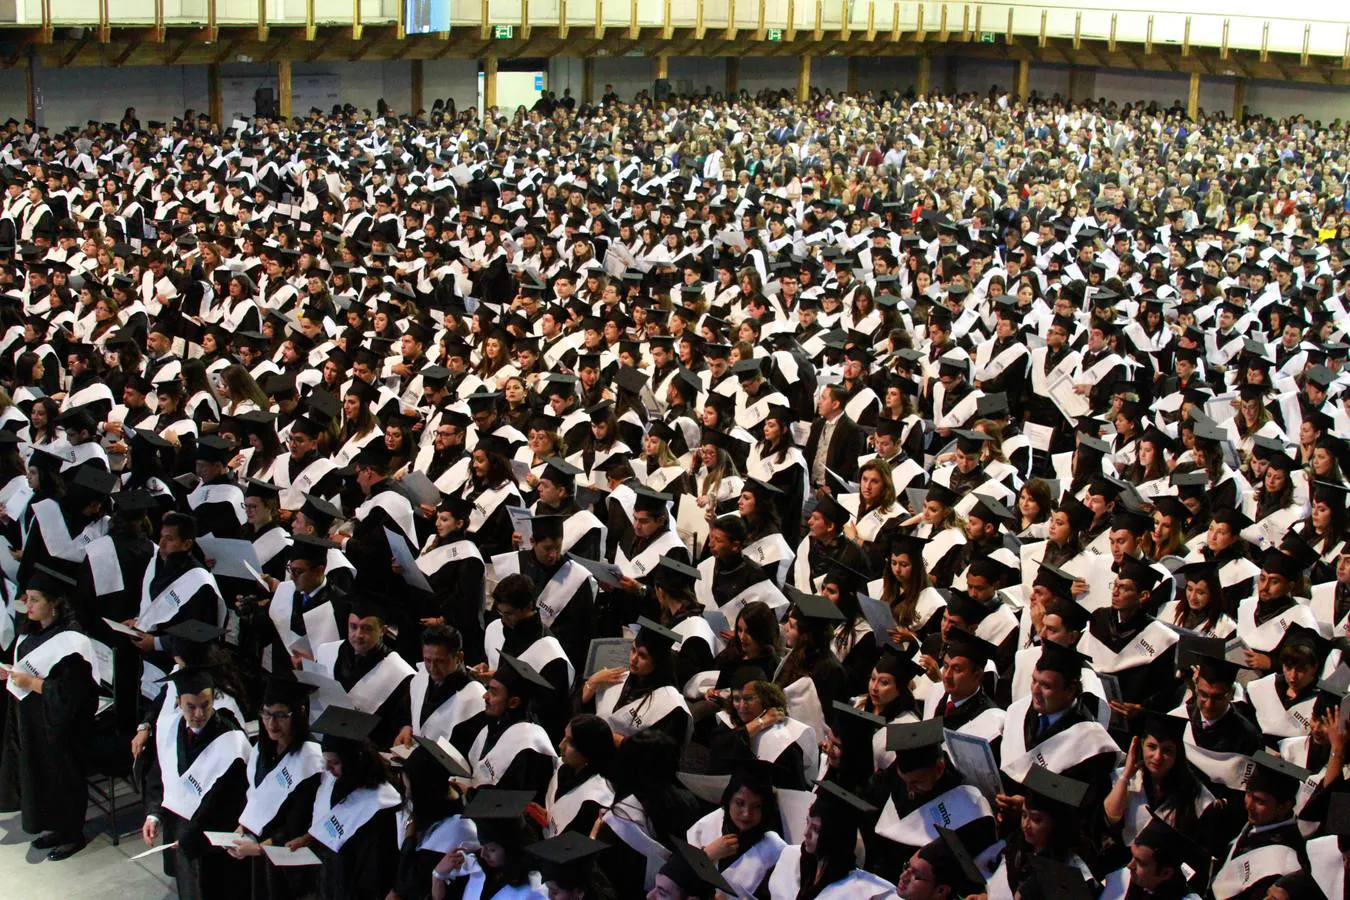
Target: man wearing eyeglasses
(306, 610)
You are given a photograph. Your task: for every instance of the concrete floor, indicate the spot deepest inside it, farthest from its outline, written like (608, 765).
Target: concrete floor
(97, 872)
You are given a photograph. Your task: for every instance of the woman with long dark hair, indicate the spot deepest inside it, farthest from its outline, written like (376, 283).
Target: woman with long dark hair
(1203, 607)
(778, 462)
(434, 824)
(358, 849)
(49, 718)
(1047, 824)
(491, 489)
(811, 675)
(580, 789)
(1157, 780)
(757, 726)
(743, 835)
(284, 771)
(760, 507)
(825, 859)
(645, 695)
(755, 641)
(652, 810)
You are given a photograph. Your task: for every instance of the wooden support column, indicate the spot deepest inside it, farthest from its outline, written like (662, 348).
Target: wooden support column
(417, 83)
(1239, 98)
(489, 81)
(804, 76)
(1023, 79)
(733, 84)
(588, 79)
(924, 82)
(284, 88)
(214, 101)
(851, 84)
(660, 66)
(950, 65)
(30, 84)
(1193, 97)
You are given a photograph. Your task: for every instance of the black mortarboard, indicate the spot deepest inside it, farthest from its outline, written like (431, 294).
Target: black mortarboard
(437, 752)
(962, 643)
(695, 873)
(1275, 776)
(191, 679)
(519, 677)
(917, 745)
(1057, 789)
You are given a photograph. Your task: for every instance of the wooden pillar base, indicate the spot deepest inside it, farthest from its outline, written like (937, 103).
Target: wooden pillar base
(284, 88)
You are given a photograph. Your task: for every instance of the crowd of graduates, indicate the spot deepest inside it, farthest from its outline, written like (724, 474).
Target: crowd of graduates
(868, 496)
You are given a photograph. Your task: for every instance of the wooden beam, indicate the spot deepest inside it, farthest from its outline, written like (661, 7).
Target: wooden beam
(484, 21)
(1193, 97)
(1186, 38)
(79, 45)
(1307, 37)
(563, 27)
(895, 22)
(731, 20)
(660, 67)
(1078, 30)
(1045, 15)
(262, 19)
(700, 22)
(923, 81)
(236, 38)
(634, 29)
(733, 76)
(791, 30)
(1023, 79)
(525, 26)
(489, 82)
(1239, 98)
(323, 45)
(845, 26)
(668, 29)
(284, 88)
(105, 23)
(311, 27)
(131, 48)
(364, 47)
(175, 55)
(944, 34)
(804, 77)
(819, 30)
(1148, 37)
(1111, 40)
(919, 34)
(1223, 47)
(273, 51)
(1010, 37)
(761, 31)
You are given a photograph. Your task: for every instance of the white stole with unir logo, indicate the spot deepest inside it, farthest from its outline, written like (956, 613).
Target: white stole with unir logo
(489, 766)
(1240, 872)
(957, 807)
(646, 710)
(463, 705)
(183, 791)
(332, 825)
(265, 798)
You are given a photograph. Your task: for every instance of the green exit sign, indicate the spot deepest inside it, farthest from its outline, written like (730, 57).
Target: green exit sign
(774, 34)
(986, 37)
(503, 32)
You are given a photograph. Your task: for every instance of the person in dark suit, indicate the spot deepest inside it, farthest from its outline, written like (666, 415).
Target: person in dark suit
(836, 441)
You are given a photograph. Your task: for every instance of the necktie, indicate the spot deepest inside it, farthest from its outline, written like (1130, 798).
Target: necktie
(949, 708)
(1042, 723)
(304, 600)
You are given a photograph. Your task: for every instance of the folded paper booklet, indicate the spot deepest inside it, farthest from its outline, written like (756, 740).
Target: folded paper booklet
(607, 653)
(280, 856)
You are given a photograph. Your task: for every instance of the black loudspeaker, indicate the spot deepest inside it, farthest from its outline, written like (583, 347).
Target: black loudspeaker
(264, 103)
(662, 91)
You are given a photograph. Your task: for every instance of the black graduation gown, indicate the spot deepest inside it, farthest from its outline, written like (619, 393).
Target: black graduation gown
(552, 711)
(395, 712)
(693, 656)
(367, 865)
(625, 867)
(457, 596)
(529, 770)
(35, 548)
(202, 606)
(202, 870)
(292, 820)
(368, 548)
(49, 787)
(435, 695)
(884, 856)
(1138, 684)
(1286, 835)
(575, 625)
(729, 747)
(219, 518)
(494, 535)
(133, 555)
(589, 811)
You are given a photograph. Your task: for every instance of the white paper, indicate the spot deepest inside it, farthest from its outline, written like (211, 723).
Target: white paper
(1071, 405)
(520, 469)
(1095, 569)
(975, 761)
(606, 573)
(235, 558)
(329, 692)
(691, 523)
(152, 851)
(423, 490)
(1039, 436)
(522, 523)
(403, 555)
(280, 856)
(122, 629)
(226, 839)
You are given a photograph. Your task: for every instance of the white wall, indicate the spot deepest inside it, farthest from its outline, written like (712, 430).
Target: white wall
(769, 73)
(895, 74)
(1047, 81)
(1277, 99)
(455, 79)
(697, 74)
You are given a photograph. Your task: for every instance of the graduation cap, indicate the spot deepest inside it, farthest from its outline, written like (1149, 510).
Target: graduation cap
(671, 573)
(287, 692)
(499, 814)
(1161, 726)
(813, 606)
(916, 745)
(1276, 776)
(1055, 580)
(651, 501)
(1046, 786)
(519, 677)
(952, 863)
(213, 449)
(319, 511)
(494, 444)
(438, 753)
(134, 501)
(568, 860)
(191, 679)
(1280, 563)
(832, 511)
(1063, 659)
(831, 799)
(964, 644)
(695, 873)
